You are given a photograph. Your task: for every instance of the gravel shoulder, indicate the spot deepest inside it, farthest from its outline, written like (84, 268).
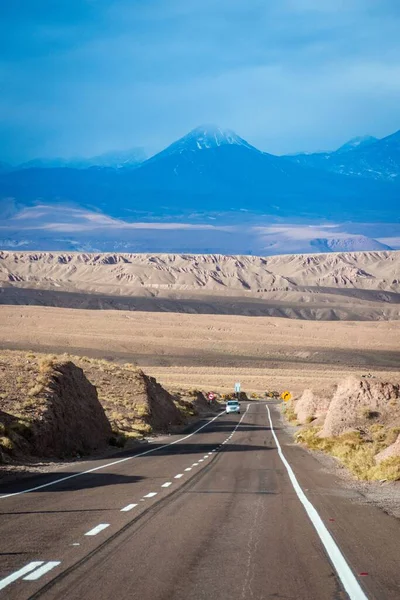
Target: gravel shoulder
(382, 494)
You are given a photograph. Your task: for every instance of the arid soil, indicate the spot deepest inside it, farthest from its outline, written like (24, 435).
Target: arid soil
(211, 351)
(336, 286)
(62, 407)
(48, 408)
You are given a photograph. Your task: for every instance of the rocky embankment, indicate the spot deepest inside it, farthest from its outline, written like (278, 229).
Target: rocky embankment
(63, 407)
(358, 422)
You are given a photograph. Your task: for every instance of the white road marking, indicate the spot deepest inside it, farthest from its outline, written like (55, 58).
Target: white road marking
(98, 528)
(150, 495)
(167, 484)
(14, 576)
(178, 476)
(195, 464)
(128, 507)
(116, 462)
(76, 544)
(42, 570)
(201, 460)
(188, 469)
(343, 570)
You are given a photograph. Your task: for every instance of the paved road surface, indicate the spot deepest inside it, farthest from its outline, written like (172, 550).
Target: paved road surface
(214, 515)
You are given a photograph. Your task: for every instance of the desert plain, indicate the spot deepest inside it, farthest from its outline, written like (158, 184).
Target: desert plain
(205, 322)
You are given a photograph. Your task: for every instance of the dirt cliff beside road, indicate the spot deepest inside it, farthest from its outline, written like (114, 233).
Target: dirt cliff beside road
(67, 406)
(49, 409)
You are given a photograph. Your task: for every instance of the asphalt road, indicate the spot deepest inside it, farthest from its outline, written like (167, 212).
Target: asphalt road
(215, 514)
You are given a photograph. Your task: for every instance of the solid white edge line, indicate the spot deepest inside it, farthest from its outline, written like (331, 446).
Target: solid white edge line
(116, 462)
(128, 507)
(98, 528)
(343, 570)
(42, 570)
(14, 576)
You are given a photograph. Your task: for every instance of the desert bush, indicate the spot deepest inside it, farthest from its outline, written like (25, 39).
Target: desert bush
(35, 390)
(309, 420)
(6, 443)
(388, 469)
(46, 364)
(2, 429)
(143, 428)
(141, 410)
(288, 411)
(355, 452)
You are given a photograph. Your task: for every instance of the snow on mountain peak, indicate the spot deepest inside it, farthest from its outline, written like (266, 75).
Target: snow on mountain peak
(357, 142)
(210, 136)
(206, 137)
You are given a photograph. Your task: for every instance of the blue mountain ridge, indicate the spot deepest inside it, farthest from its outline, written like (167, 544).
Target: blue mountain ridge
(211, 169)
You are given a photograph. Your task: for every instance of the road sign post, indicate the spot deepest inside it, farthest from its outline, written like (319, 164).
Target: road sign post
(237, 389)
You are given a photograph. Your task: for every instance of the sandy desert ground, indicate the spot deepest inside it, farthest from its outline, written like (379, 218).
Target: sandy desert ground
(212, 351)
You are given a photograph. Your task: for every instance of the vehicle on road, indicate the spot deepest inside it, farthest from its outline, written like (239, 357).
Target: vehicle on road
(232, 406)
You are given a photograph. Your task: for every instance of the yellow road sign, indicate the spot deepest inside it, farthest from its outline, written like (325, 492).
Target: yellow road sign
(286, 396)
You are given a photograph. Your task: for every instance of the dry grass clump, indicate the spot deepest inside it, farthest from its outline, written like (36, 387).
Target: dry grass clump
(6, 443)
(35, 390)
(357, 450)
(289, 412)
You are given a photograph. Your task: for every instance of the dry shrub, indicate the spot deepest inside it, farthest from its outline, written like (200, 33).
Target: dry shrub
(143, 428)
(356, 452)
(288, 411)
(6, 443)
(141, 410)
(36, 390)
(46, 364)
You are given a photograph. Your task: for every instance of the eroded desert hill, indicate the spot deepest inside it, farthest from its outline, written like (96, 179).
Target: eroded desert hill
(329, 286)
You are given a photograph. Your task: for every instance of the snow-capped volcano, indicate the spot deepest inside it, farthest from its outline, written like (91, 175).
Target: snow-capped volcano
(205, 137)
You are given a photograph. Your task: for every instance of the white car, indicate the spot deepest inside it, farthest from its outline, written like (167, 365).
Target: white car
(232, 406)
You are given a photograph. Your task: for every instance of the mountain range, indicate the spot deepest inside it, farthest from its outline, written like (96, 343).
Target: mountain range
(361, 157)
(209, 174)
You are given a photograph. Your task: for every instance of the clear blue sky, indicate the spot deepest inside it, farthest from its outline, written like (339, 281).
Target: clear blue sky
(80, 77)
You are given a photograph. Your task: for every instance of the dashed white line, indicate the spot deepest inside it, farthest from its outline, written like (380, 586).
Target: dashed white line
(195, 464)
(98, 528)
(150, 495)
(128, 507)
(188, 469)
(115, 462)
(167, 484)
(343, 570)
(14, 576)
(42, 570)
(178, 476)
(201, 460)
